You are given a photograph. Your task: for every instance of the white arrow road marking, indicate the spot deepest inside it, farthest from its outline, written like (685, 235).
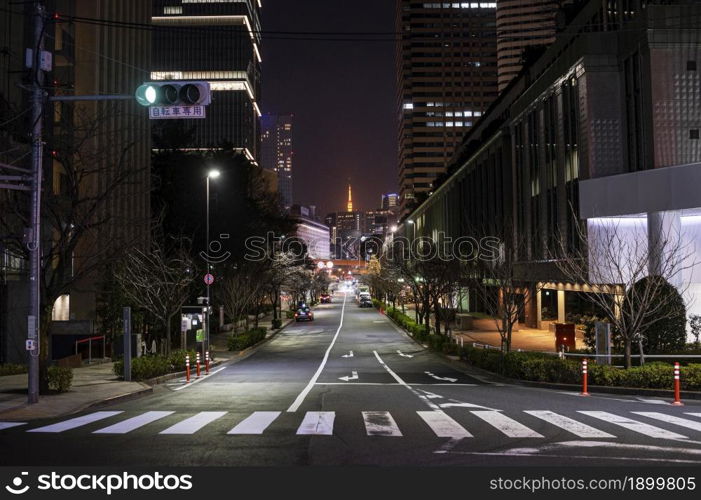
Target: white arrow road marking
(72, 423)
(507, 425)
(404, 355)
(570, 425)
(194, 423)
(443, 426)
(255, 423)
(633, 425)
(349, 355)
(133, 423)
(380, 423)
(670, 419)
(352, 377)
(10, 425)
(318, 423)
(430, 395)
(448, 379)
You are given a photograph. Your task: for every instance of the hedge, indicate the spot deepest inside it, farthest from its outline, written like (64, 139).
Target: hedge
(11, 369)
(60, 378)
(147, 367)
(241, 341)
(541, 367)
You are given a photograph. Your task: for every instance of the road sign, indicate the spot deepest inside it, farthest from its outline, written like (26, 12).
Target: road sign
(199, 335)
(208, 279)
(176, 112)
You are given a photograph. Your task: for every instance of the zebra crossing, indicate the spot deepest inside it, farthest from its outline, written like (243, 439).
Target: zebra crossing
(383, 424)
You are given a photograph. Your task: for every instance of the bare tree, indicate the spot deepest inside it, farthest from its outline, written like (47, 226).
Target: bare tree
(158, 283)
(614, 264)
(241, 287)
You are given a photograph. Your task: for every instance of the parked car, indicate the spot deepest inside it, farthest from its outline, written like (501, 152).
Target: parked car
(365, 301)
(325, 298)
(364, 295)
(304, 314)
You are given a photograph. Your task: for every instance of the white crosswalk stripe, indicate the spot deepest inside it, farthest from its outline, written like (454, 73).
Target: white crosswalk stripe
(134, 423)
(570, 425)
(318, 423)
(74, 423)
(194, 423)
(380, 423)
(10, 425)
(256, 423)
(443, 425)
(671, 419)
(506, 425)
(633, 425)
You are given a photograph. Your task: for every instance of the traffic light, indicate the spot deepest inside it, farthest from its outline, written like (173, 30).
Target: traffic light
(174, 93)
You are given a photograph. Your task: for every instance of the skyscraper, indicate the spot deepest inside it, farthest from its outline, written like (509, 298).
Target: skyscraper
(522, 24)
(277, 152)
(446, 79)
(218, 42)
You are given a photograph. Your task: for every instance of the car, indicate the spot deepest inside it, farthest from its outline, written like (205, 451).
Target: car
(304, 314)
(365, 301)
(364, 295)
(325, 298)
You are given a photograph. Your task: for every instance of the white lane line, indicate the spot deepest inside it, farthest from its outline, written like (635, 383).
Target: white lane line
(133, 423)
(194, 423)
(399, 380)
(10, 425)
(72, 423)
(392, 384)
(302, 395)
(255, 423)
(318, 423)
(198, 380)
(443, 425)
(670, 419)
(506, 425)
(380, 423)
(633, 425)
(693, 414)
(569, 424)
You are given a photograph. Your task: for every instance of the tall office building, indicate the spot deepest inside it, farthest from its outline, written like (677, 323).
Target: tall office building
(389, 201)
(97, 156)
(277, 153)
(522, 24)
(446, 79)
(218, 42)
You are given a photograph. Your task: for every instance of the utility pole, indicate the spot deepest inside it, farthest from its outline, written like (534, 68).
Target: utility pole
(34, 233)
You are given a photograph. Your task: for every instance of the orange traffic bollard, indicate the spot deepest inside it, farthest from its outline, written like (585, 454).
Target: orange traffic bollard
(187, 367)
(198, 365)
(677, 386)
(585, 378)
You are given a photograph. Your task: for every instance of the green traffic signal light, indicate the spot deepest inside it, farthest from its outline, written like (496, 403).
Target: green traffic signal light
(147, 95)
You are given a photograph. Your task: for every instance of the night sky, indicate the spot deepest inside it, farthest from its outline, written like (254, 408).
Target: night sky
(342, 95)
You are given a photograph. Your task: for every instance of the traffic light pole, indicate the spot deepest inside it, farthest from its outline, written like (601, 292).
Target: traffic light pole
(34, 234)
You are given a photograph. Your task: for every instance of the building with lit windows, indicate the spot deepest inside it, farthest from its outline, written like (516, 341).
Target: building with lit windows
(446, 78)
(522, 25)
(599, 134)
(218, 42)
(277, 152)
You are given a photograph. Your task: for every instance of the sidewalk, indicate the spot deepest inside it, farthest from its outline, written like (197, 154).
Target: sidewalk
(92, 385)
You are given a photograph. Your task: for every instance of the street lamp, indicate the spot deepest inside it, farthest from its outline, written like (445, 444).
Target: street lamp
(212, 174)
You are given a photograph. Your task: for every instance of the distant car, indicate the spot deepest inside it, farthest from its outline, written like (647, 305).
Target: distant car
(325, 298)
(364, 295)
(365, 301)
(304, 314)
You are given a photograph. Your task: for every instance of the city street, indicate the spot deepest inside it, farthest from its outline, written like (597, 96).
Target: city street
(350, 388)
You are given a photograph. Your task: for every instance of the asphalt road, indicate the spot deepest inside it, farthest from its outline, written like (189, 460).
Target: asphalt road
(350, 388)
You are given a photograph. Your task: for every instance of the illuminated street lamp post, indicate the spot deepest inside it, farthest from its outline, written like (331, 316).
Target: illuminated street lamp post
(212, 174)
